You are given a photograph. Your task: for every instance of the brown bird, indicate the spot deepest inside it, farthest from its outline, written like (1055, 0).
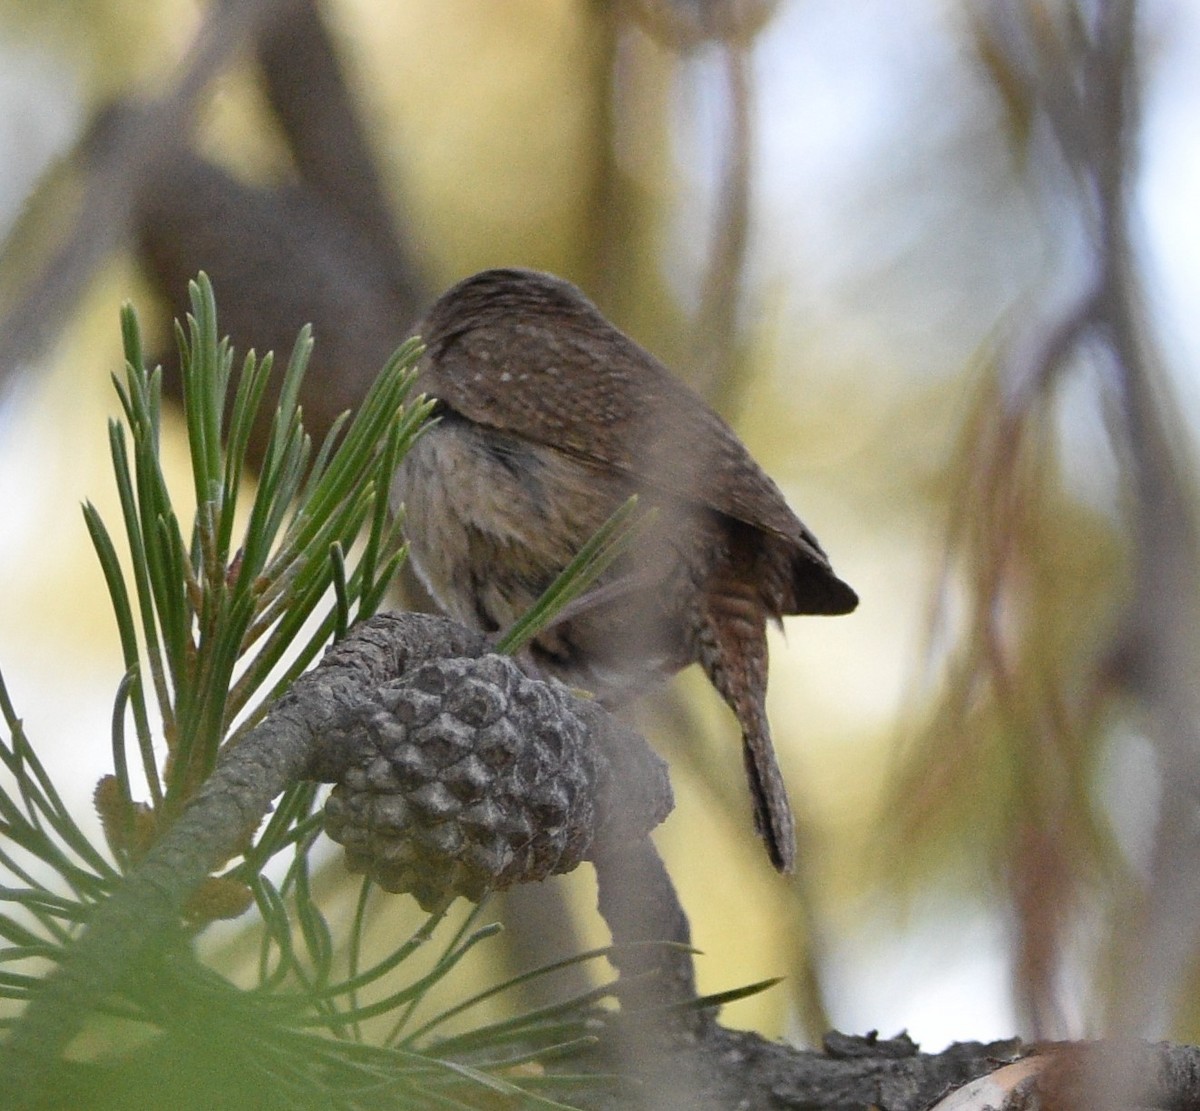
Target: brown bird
(550, 417)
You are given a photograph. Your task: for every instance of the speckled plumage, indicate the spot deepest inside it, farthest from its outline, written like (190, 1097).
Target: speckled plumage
(550, 418)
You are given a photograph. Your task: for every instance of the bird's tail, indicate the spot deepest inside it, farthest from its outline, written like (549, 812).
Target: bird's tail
(773, 820)
(733, 653)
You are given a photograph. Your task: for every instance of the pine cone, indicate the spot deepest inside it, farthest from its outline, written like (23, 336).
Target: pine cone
(470, 776)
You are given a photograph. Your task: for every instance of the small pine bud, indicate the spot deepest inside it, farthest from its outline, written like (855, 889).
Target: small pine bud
(218, 898)
(129, 827)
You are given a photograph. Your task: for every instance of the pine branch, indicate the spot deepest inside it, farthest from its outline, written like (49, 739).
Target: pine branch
(309, 733)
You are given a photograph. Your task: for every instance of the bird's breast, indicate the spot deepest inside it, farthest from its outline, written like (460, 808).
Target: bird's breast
(491, 518)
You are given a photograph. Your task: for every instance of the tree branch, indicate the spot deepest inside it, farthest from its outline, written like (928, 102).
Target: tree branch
(315, 731)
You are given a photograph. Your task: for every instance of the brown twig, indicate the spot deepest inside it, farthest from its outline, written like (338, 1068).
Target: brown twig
(131, 146)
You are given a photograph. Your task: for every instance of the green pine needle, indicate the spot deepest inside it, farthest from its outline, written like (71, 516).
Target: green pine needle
(217, 610)
(593, 559)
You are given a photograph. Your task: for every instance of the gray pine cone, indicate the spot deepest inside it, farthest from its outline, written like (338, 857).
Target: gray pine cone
(470, 776)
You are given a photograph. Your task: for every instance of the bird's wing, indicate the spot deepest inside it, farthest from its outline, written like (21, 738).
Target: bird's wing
(621, 409)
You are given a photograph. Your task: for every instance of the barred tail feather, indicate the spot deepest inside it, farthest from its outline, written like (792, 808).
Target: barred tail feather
(732, 643)
(772, 814)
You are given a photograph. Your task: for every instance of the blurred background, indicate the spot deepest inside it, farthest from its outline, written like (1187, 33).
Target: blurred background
(937, 264)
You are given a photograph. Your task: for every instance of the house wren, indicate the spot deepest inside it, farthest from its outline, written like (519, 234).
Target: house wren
(550, 417)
